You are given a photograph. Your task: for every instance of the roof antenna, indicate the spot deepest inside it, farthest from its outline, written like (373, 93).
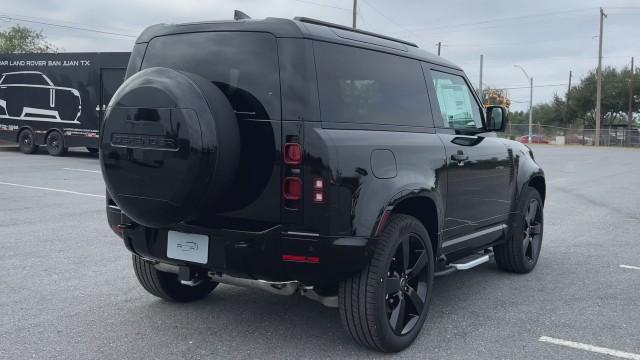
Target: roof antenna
(239, 15)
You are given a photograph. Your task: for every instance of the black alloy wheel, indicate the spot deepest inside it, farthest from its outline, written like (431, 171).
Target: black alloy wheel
(385, 305)
(27, 142)
(521, 249)
(406, 284)
(532, 230)
(55, 144)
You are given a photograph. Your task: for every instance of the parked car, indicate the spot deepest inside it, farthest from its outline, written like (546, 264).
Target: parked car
(535, 139)
(303, 157)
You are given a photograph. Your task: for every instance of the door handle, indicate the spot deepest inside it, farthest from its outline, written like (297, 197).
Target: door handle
(460, 158)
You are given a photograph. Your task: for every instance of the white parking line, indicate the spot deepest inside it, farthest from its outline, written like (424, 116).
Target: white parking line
(85, 170)
(630, 267)
(591, 348)
(49, 189)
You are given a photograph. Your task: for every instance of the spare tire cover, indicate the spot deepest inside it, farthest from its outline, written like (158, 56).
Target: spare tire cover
(169, 146)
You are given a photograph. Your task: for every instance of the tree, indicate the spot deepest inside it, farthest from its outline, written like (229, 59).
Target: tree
(580, 111)
(22, 39)
(615, 97)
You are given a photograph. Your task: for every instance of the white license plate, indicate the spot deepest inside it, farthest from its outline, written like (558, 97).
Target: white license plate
(189, 247)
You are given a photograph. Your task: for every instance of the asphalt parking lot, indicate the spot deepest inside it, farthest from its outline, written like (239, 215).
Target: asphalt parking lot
(67, 290)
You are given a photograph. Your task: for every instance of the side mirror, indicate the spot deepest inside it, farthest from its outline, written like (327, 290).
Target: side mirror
(496, 118)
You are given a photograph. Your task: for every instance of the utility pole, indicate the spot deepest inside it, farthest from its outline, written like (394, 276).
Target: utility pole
(530, 78)
(439, 44)
(530, 108)
(355, 12)
(566, 104)
(631, 96)
(480, 83)
(599, 80)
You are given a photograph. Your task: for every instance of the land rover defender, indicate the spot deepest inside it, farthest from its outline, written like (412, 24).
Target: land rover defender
(303, 157)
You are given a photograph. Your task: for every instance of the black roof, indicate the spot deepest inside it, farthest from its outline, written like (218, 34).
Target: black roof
(302, 28)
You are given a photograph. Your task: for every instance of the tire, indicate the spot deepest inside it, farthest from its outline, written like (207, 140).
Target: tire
(521, 250)
(369, 304)
(203, 155)
(166, 285)
(27, 142)
(55, 144)
(92, 150)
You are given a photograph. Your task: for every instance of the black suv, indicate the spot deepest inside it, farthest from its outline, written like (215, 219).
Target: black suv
(303, 157)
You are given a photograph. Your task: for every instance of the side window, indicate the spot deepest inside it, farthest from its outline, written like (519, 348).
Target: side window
(458, 106)
(370, 87)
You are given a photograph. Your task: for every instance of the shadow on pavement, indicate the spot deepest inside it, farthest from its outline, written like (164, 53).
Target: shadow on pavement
(80, 153)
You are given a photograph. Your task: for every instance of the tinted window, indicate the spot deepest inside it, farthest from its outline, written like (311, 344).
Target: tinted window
(369, 87)
(243, 65)
(135, 59)
(25, 78)
(457, 104)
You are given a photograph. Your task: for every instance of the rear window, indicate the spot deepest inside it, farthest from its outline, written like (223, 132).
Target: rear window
(243, 65)
(370, 87)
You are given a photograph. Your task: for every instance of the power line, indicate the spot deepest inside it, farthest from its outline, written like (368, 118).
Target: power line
(14, 19)
(528, 86)
(383, 15)
(493, 21)
(366, 22)
(64, 21)
(323, 5)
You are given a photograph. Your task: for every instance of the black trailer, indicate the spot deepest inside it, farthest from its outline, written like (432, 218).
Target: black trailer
(57, 100)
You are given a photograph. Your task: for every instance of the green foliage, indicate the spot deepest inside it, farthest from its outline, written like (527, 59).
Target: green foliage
(22, 39)
(582, 103)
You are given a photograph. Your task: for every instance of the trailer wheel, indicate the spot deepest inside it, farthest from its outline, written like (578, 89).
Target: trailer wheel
(55, 144)
(27, 142)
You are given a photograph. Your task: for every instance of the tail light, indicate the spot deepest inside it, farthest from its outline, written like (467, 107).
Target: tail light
(292, 188)
(292, 154)
(292, 185)
(318, 190)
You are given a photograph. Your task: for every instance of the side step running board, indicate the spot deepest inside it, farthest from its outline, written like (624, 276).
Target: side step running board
(466, 263)
(471, 261)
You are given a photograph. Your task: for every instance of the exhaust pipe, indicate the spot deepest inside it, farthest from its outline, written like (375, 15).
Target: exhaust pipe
(286, 288)
(279, 288)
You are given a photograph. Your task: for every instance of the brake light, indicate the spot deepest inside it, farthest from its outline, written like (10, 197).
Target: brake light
(301, 258)
(292, 154)
(292, 188)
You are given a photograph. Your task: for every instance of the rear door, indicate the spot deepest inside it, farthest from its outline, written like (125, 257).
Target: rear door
(479, 165)
(244, 66)
(110, 81)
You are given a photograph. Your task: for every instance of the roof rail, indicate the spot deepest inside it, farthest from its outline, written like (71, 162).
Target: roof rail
(346, 28)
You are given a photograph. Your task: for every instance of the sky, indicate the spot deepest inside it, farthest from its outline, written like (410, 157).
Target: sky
(548, 38)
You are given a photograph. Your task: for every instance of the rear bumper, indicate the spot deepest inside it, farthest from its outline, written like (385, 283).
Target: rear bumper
(273, 254)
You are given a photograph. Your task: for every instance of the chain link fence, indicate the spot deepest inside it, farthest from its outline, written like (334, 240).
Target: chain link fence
(546, 134)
